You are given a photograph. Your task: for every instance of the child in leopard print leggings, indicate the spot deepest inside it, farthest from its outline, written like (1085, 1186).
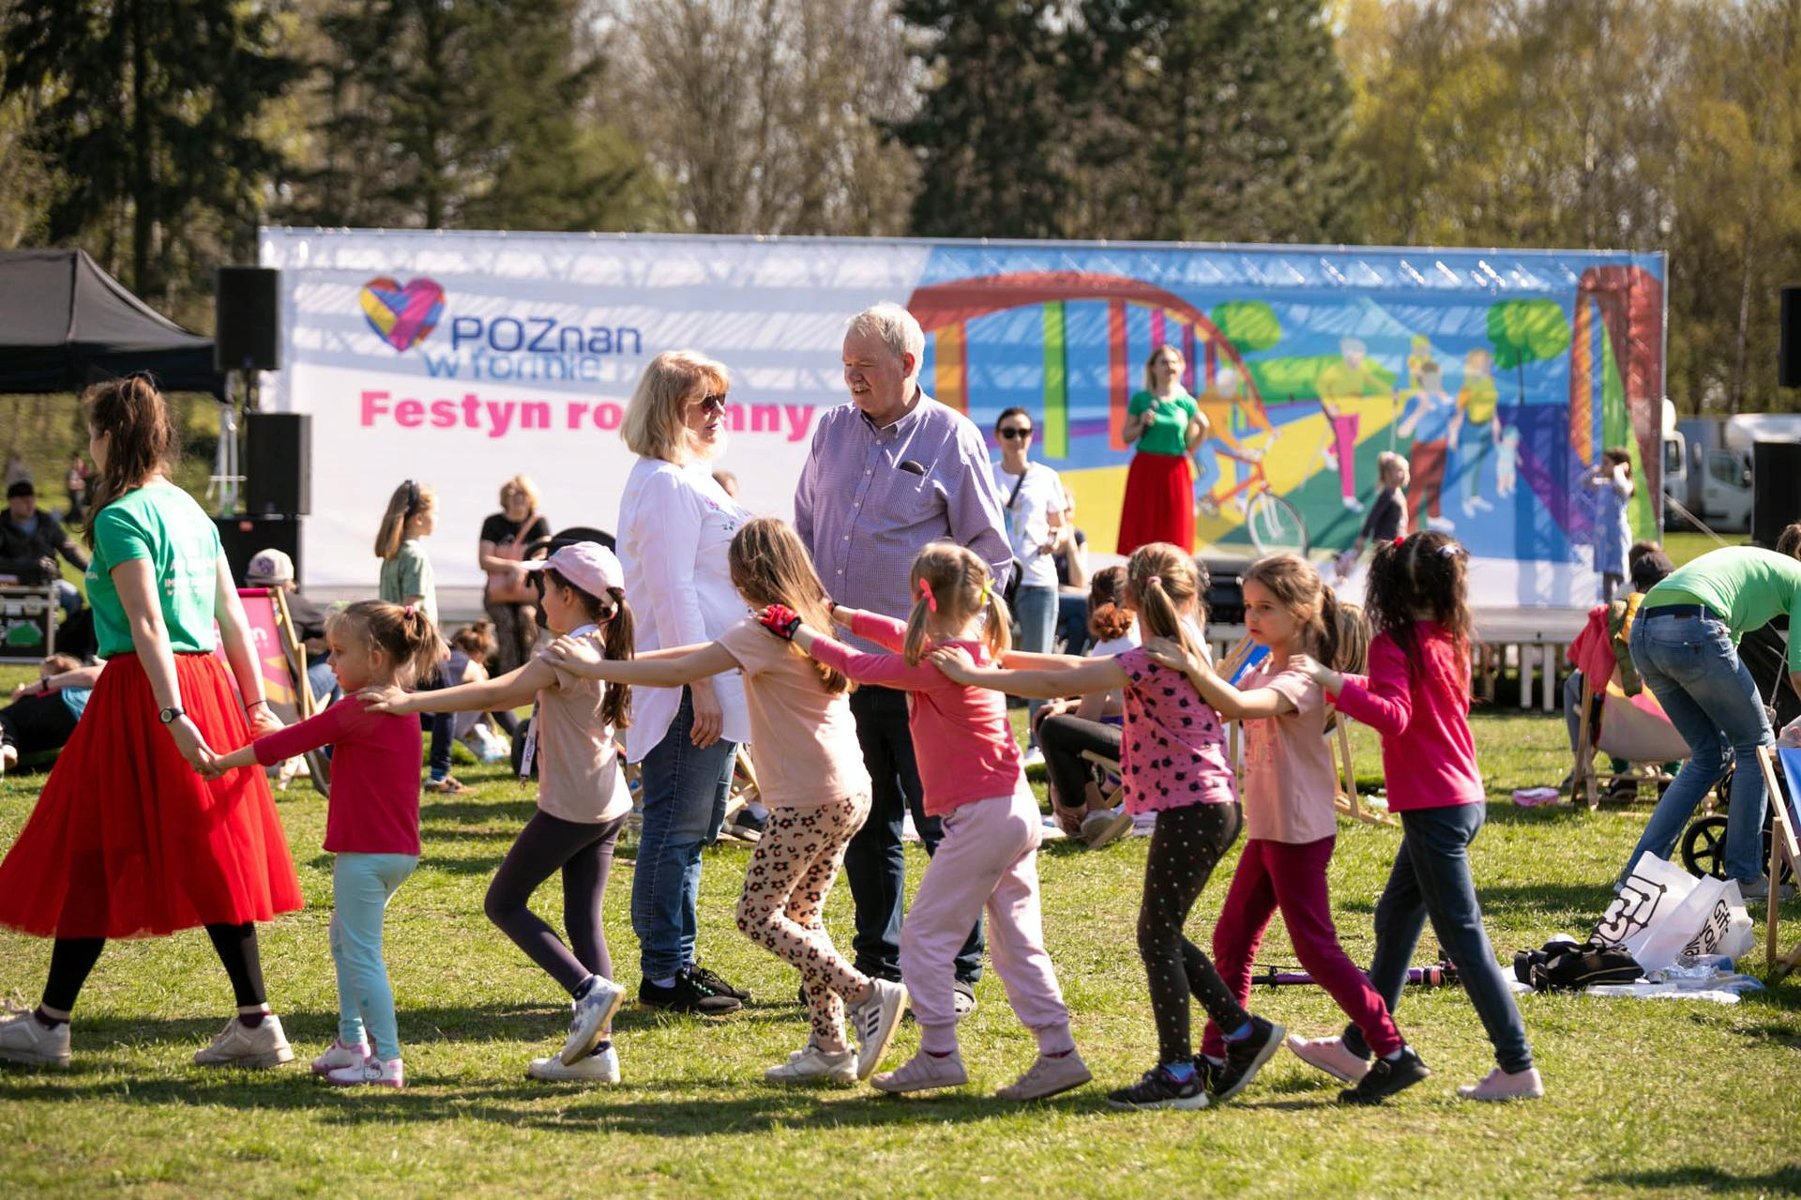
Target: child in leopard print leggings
(810, 775)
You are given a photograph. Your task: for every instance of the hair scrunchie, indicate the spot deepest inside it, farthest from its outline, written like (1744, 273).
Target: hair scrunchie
(925, 593)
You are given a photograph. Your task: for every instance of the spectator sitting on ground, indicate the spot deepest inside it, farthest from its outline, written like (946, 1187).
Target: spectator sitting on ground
(1080, 804)
(30, 540)
(43, 713)
(470, 649)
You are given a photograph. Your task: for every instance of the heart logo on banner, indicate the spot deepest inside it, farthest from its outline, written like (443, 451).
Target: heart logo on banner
(402, 315)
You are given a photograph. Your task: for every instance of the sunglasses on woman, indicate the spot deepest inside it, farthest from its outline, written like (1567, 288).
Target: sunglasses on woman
(1015, 433)
(712, 404)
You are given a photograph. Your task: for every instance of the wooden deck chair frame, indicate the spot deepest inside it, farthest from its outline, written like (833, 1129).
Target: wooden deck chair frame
(1783, 844)
(744, 783)
(318, 766)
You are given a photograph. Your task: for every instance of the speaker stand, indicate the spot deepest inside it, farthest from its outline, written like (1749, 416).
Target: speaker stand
(222, 484)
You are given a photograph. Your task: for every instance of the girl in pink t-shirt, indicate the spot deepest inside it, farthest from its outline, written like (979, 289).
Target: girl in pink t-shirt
(1173, 763)
(1417, 697)
(1288, 793)
(810, 775)
(973, 779)
(371, 821)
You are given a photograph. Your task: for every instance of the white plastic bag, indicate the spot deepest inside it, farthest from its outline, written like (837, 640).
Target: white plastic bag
(1653, 891)
(1695, 926)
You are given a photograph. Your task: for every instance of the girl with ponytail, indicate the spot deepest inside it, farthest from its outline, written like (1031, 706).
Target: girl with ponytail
(583, 799)
(973, 779)
(1289, 787)
(371, 821)
(810, 775)
(1172, 762)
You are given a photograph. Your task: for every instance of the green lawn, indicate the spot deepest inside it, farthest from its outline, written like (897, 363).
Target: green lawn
(1645, 1097)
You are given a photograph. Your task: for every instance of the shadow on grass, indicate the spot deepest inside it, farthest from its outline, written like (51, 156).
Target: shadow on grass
(1782, 1180)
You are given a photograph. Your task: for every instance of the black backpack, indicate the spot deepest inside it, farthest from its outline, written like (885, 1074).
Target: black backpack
(1563, 966)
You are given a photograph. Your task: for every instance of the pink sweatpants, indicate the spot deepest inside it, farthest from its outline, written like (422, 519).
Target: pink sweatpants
(988, 858)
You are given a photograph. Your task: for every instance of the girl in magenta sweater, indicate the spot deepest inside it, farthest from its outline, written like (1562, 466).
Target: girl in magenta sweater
(1417, 698)
(973, 779)
(372, 823)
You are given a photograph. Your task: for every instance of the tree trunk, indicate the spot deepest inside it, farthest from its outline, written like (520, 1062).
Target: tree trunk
(143, 204)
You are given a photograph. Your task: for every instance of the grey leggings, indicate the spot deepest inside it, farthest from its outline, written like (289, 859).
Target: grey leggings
(584, 854)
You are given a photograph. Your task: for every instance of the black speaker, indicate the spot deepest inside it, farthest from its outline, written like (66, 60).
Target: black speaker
(1788, 363)
(244, 537)
(247, 327)
(278, 463)
(1775, 490)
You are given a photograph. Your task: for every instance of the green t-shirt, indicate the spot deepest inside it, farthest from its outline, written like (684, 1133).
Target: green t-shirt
(162, 523)
(1744, 584)
(408, 574)
(1166, 431)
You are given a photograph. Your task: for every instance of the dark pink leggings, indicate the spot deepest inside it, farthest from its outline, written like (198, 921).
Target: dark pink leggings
(1292, 878)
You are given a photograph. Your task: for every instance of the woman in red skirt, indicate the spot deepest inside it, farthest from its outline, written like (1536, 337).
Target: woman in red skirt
(126, 839)
(1166, 425)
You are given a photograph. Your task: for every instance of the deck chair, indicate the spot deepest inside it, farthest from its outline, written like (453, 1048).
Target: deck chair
(1633, 728)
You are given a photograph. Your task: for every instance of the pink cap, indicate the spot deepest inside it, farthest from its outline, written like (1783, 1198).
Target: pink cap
(590, 566)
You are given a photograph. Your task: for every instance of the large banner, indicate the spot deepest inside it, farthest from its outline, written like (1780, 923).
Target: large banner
(460, 359)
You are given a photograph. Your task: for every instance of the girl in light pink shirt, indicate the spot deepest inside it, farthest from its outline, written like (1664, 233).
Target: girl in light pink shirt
(1288, 798)
(1173, 763)
(811, 776)
(973, 779)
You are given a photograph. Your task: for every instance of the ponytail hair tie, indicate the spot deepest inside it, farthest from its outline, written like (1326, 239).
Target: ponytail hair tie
(1401, 540)
(406, 610)
(1450, 549)
(1153, 581)
(925, 593)
(987, 591)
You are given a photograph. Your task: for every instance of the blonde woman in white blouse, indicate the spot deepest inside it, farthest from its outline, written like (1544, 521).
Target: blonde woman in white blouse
(675, 526)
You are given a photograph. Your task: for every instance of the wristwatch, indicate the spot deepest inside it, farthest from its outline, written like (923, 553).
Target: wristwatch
(167, 716)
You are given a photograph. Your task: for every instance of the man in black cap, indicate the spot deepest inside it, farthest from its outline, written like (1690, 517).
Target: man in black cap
(29, 543)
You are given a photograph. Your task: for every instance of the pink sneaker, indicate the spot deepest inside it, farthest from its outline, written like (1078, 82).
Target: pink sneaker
(1502, 1085)
(338, 1056)
(1328, 1054)
(374, 1072)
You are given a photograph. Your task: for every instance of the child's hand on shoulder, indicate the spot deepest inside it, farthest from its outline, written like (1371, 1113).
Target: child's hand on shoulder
(573, 653)
(954, 662)
(780, 620)
(385, 698)
(1171, 653)
(1325, 676)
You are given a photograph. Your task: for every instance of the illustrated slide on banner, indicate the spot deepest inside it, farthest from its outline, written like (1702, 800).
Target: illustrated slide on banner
(460, 359)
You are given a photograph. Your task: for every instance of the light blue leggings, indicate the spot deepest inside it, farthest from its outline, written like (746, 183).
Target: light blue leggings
(361, 886)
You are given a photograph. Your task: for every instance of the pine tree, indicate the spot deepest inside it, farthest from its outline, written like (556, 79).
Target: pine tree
(1219, 120)
(992, 133)
(149, 109)
(473, 113)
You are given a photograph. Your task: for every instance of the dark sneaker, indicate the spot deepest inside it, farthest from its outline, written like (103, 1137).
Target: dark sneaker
(1160, 1089)
(1246, 1056)
(687, 995)
(715, 983)
(1386, 1078)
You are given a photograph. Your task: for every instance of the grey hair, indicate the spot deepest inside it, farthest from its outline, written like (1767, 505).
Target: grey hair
(897, 328)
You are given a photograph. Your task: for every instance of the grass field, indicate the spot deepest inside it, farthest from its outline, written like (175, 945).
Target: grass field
(1644, 1097)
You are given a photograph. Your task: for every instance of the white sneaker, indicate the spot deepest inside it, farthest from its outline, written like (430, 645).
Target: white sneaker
(1101, 829)
(9, 758)
(238, 1045)
(1500, 1085)
(23, 1039)
(1441, 524)
(1328, 1054)
(1353, 504)
(813, 1065)
(599, 1067)
(591, 1016)
(924, 1072)
(371, 1072)
(1034, 757)
(339, 1055)
(874, 1022)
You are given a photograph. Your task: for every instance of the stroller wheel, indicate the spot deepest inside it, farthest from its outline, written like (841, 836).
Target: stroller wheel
(1704, 847)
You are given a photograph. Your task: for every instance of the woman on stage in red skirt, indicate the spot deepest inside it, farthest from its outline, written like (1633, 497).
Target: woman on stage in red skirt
(1166, 425)
(127, 840)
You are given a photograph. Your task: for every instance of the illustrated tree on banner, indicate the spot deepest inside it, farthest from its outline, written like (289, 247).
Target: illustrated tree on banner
(1526, 331)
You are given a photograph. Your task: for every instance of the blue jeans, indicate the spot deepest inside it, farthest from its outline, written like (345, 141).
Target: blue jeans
(1431, 878)
(1072, 621)
(68, 598)
(684, 792)
(361, 886)
(1692, 667)
(875, 862)
(1035, 608)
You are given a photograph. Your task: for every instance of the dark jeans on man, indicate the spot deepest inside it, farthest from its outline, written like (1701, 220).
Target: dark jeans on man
(1431, 877)
(875, 862)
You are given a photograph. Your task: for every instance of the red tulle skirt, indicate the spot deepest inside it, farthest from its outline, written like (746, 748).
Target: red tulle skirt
(1159, 504)
(126, 840)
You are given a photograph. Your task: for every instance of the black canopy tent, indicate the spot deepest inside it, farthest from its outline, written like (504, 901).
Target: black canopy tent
(65, 323)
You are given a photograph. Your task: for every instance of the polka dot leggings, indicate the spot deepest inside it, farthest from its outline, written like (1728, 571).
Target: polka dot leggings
(791, 872)
(1187, 845)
